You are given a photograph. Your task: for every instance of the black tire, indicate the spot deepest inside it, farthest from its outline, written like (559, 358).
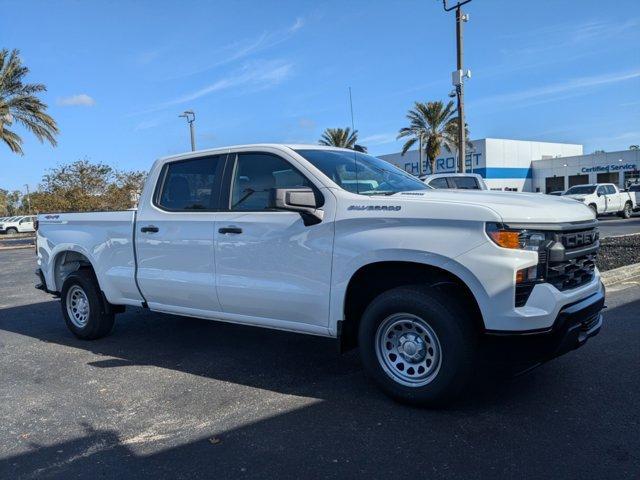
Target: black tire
(593, 207)
(100, 316)
(12, 231)
(456, 336)
(626, 211)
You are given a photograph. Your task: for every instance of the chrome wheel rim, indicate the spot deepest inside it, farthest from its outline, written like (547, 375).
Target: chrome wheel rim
(78, 306)
(408, 349)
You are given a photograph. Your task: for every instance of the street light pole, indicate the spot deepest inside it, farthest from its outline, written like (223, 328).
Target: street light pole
(191, 118)
(28, 199)
(458, 78)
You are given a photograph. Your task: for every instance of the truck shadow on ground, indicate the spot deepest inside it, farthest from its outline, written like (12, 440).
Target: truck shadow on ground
(284, 362)
(354, 430)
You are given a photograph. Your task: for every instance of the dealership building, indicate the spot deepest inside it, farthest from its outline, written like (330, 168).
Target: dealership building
(527, 166)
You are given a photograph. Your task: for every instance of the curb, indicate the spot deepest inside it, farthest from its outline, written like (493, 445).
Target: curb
(619, 275)
(17, 247)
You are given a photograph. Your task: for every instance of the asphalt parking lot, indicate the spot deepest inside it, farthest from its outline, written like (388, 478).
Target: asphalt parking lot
(612, 225)
(173, 397)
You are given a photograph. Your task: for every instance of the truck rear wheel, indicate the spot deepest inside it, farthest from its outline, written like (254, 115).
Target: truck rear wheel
(86, 313)
(626, 211)
(418, 345)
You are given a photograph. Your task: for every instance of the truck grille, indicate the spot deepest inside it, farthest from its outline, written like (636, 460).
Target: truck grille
(584, 238)
(573, 270)
(571, 273)
(568, 261)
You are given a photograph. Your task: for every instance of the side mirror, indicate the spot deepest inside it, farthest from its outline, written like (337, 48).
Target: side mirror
(301, 200)
(599, 194)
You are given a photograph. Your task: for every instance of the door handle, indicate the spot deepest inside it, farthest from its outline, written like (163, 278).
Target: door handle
(230, 230)
(150, 229)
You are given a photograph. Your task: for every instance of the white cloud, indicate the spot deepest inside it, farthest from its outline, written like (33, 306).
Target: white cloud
(566, 89)
(82, 100)
(378, 139)
(304, 122)
(297, 25)
(147, 124)
(254, 76)
(241, 49)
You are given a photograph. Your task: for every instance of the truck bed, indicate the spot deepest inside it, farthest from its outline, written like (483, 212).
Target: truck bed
(103, 238)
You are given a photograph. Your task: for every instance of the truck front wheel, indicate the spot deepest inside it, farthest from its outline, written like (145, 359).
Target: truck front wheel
(418, 345)
(86, 313)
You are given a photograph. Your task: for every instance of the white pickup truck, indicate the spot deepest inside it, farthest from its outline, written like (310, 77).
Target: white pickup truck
(603, 198)
(20, 224)
(332, 242)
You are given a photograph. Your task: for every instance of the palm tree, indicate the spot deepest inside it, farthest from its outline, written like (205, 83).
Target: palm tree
(341, 137)
(452, 132)
(19, 103)
(430, 124)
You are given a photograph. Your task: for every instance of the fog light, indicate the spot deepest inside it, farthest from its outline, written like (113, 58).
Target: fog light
(527, 274)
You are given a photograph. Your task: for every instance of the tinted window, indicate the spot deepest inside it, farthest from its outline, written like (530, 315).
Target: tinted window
(439, 183)
(581, 190)
(602, 191)
(634, 188)
(610, 189)
(465, 183)
(189, 185)
(256, 174)
(360, 173)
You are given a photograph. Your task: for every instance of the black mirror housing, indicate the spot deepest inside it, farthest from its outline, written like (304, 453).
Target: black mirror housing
(301, 200)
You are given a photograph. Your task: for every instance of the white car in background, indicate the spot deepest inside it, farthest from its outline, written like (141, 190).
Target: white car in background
(21, 224)
(456, 181)
(603, 198)
(634, 193)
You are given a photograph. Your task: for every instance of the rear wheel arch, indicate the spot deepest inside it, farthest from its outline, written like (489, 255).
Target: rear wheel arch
(373, 279)
(67, 262)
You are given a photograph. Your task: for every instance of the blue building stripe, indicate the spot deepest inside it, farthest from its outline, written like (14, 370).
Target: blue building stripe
(504, 172)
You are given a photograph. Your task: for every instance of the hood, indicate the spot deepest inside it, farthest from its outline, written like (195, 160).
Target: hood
(512, 207)
(576, 196)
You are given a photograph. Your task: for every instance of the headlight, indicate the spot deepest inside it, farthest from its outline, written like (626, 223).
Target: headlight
(521, 239)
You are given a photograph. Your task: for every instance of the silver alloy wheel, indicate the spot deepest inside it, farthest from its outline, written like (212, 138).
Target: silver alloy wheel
(408, 349)
(78, 306)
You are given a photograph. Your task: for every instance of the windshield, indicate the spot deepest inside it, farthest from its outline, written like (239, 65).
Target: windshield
(581, 189)
(360, 173)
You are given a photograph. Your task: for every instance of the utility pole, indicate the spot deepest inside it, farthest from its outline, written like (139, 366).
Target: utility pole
(458, 78)
(191, 117)
(28, 199)
(420, 155)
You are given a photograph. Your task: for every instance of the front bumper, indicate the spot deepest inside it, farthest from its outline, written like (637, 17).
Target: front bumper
(573, 326)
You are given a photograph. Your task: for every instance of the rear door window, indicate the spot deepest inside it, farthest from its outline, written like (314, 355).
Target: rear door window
(190, 185)
(439, 183)
(464, 183)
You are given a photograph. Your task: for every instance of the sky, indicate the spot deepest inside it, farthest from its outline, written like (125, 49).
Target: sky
(119, 73)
